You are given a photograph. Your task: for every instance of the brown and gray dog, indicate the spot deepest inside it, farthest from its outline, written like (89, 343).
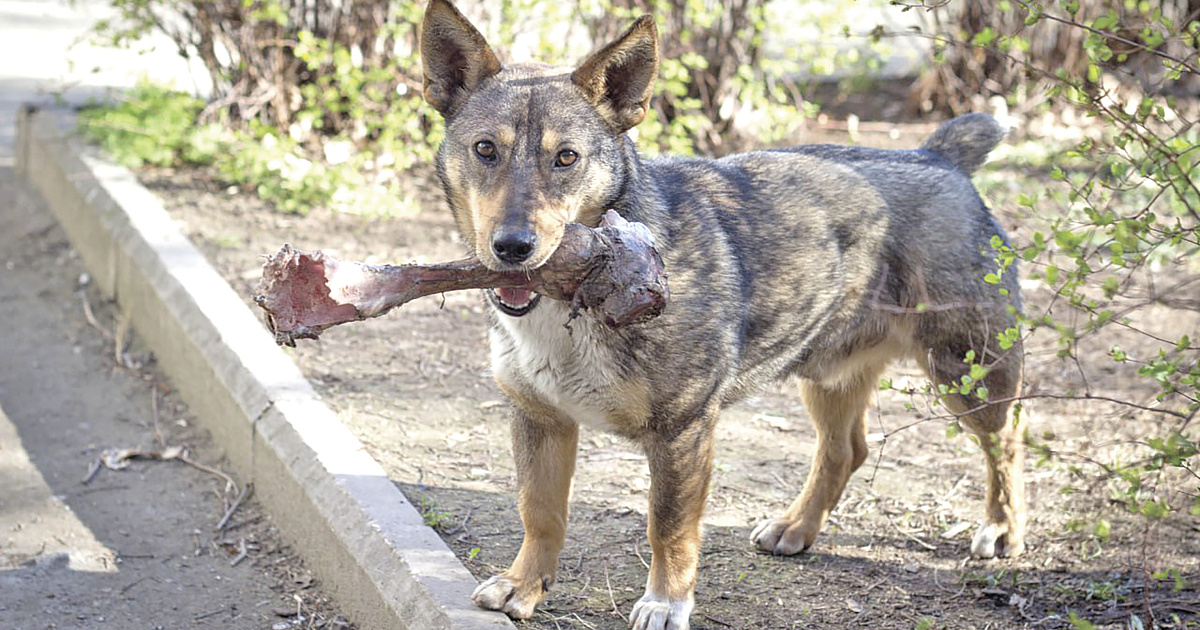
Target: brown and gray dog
(819, 262)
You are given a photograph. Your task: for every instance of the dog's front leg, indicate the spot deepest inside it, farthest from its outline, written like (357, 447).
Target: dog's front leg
(544, 449)
(680, 466)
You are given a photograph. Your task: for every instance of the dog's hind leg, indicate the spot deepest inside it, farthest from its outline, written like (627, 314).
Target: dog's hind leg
(838, 412)
(680, 468)
(544, 449)
(1000, 428)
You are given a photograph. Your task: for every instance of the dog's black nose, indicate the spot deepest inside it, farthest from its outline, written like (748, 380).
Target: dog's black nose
(515, 246)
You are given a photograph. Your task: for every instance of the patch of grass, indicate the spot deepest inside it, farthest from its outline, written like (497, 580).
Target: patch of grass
(926, 623)
(225, 241)
(155, 125)
(433, 516)
(152, 124)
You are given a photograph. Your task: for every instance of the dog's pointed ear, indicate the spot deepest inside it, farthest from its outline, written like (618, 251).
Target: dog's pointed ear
(619, 78)
(455, 58)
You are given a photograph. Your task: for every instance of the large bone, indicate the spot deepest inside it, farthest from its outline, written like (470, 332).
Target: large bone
(613, 269)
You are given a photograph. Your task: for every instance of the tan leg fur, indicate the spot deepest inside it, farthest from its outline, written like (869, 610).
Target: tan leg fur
(544, 446)
(680, 469)
(1000, 430)
(838, 413)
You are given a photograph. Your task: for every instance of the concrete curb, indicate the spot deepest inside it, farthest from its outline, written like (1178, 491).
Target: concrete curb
(334, 503)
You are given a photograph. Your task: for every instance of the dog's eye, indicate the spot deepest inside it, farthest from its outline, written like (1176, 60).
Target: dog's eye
(566, 157)
(485, 149)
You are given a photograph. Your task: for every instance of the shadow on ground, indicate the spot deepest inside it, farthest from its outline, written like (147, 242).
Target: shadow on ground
(848, 579)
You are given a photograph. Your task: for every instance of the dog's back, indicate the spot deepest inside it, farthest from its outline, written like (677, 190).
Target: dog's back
(789, 261)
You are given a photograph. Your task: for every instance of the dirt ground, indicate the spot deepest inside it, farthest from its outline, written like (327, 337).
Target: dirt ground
(135, 548)
(413, 386)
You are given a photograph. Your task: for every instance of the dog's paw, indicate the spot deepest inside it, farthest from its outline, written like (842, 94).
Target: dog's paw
(993, 540)
(782, 537)
(506, 595)
(653, 612)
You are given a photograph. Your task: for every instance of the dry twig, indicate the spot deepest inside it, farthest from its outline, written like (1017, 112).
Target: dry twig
(233, 508)
(91, 317)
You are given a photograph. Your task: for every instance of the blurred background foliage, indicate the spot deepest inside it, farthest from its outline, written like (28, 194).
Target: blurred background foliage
(337, 84)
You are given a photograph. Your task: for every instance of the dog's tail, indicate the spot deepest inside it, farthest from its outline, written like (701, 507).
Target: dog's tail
(966, 140)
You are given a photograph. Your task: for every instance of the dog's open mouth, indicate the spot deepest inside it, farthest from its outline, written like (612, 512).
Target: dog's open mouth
(513, 302)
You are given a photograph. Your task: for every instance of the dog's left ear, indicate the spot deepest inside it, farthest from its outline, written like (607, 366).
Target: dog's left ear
(619, 78)
(454, 56)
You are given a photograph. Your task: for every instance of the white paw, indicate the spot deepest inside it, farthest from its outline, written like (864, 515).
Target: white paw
(500, 593)
(992, 541)
(652, 612)
(780, 537)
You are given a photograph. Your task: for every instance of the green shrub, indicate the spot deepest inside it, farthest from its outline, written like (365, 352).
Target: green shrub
(152, 125)
(320, 69)
(1121, 216)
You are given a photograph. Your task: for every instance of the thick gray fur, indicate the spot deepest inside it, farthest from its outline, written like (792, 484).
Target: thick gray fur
(966, 140)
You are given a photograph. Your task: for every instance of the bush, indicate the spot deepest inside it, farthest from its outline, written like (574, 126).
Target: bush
(716, 93)
(152, 125)
(1022, 49)
(155, 125)
(315, 71)
(1123, 212)
(318, 77)
(349, 71)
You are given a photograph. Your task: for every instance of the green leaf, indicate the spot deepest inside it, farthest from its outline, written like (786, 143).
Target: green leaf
(984, 37)
(1154, 509)
(1110, 286)
(1105, 21)
(978, 372)
(1079, 624)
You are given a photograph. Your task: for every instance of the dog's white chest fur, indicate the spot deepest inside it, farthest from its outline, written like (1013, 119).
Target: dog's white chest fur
(572, 370)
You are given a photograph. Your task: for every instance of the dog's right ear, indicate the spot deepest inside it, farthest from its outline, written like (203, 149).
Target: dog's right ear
(455, 58)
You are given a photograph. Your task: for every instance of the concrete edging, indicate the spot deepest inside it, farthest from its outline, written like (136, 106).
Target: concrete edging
(332, 501)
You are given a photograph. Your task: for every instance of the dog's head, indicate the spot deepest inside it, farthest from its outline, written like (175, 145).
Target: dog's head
(530, 148)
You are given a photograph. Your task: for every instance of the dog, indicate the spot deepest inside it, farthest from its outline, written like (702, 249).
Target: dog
(818, 262)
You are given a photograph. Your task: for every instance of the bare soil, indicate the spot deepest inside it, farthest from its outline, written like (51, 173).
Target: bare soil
(414, 388)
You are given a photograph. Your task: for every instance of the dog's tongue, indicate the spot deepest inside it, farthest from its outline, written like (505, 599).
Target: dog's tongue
(515, 297)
